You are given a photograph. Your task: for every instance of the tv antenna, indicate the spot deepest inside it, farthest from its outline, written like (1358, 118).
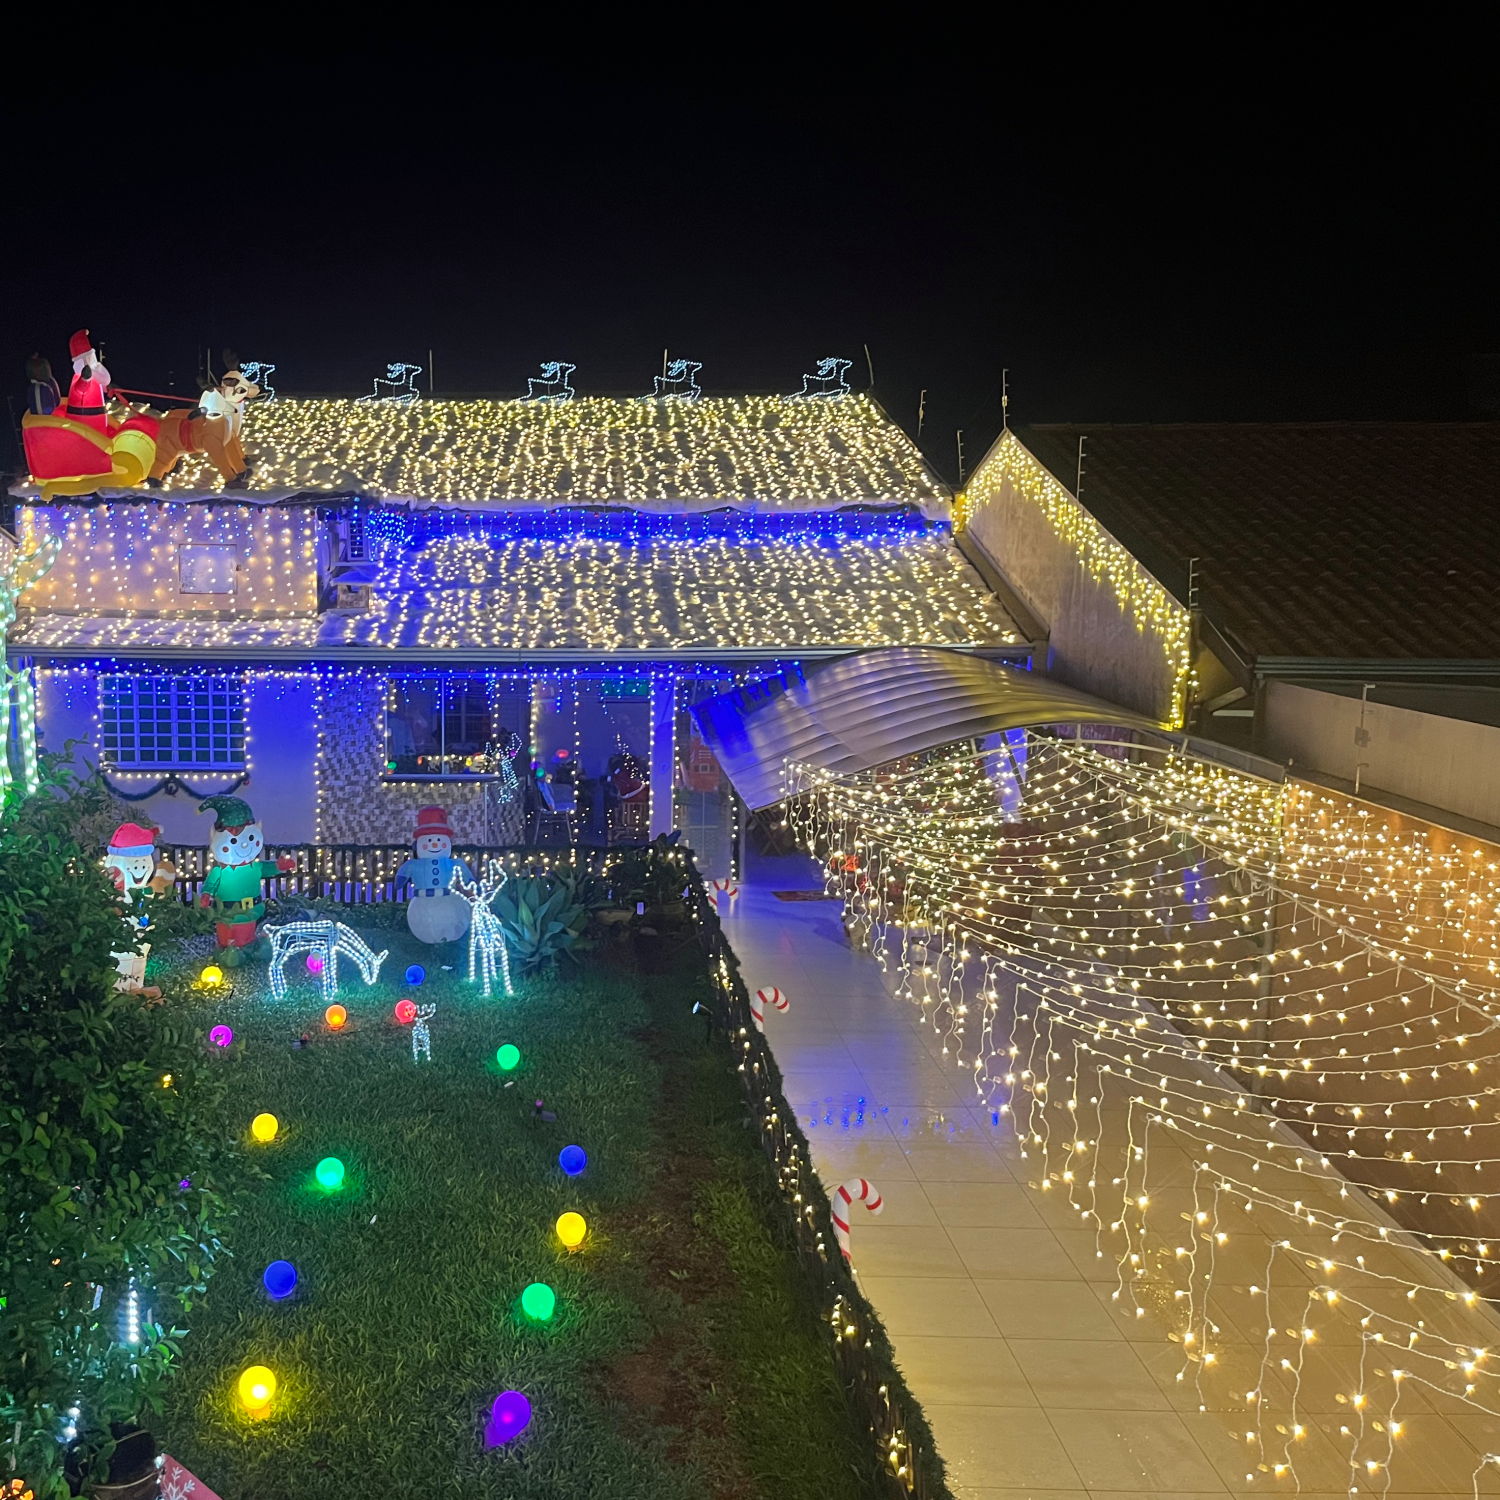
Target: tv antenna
(1004, 401)
(1078, 486)
(921, 411)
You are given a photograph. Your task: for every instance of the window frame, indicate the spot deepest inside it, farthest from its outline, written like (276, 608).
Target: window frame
(441, 681)
(191, 735)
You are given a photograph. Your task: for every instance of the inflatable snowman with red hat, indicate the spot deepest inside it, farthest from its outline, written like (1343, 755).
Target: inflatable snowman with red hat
(433, 912)
(131, 863)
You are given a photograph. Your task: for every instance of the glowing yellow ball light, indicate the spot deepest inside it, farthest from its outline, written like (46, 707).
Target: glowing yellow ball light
(257, 1390)
(212, 976)
(264, 1127)
(571, 1229)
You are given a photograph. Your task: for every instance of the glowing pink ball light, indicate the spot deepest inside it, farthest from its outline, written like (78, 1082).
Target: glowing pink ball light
(314, 964)
(221, 1036)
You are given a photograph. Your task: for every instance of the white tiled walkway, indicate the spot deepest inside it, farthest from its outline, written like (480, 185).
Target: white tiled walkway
(999, 1311)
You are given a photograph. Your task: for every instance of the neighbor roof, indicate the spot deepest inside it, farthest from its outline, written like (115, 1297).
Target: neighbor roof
(763, 453)
(1331, 540)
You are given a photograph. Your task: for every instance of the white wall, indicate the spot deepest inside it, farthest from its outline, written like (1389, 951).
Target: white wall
(281, 746)
(1446, 763)
(1112, 629)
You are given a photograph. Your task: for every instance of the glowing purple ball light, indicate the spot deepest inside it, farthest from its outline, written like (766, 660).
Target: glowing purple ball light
(221, 1036)
(508, 1418)
(314, 964)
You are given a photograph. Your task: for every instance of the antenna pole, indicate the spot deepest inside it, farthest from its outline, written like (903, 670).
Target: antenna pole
(1004, 401)
(431, 382)
(663, 364)
(921, 411)
(871, 363)
(960, 436)
(1078, 486)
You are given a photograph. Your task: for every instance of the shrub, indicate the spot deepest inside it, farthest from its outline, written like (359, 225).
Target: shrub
(106, 1106)
(542, 918)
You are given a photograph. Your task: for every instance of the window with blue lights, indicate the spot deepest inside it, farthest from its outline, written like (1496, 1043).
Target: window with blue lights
(150, 723)
(440, 726)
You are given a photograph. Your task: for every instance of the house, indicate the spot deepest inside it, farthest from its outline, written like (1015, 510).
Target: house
(505, 607)
(1324, 594)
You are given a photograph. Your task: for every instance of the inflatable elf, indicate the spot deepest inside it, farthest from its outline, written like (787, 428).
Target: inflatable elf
(233, 886)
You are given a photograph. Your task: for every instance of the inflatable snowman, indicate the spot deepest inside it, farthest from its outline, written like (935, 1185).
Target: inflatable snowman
(131, 863)
(433, 912)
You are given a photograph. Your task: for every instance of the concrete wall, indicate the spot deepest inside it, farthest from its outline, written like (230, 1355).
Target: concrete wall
(135, 559)
(1113, 630)
(1446, 763)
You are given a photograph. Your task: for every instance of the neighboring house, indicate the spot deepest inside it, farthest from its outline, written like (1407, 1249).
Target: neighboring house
(419, 603)
(1247, 581)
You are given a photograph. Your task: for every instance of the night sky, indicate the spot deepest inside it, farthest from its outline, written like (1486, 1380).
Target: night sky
(1150, 252)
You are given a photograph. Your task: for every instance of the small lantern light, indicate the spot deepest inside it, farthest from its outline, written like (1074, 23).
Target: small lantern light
(538, 1302)
(508, 1057)
(336, 1015)
(406, 1012)
(264, 1127)
(211, 976)
(280, 1279)
(572, 1160)
(330, 1174)
(571, 1228)
(508, 1418)
(257, 1388)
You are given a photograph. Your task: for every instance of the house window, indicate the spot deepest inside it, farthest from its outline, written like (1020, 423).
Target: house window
(207, 568)
(453, 725)
(154, 722)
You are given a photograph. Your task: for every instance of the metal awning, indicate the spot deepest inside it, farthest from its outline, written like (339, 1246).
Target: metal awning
(864, 710)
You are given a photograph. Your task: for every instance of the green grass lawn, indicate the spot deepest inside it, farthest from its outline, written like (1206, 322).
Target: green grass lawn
(685, 1357)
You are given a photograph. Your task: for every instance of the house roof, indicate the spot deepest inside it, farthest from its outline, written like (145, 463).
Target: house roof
(761, 453)
(480, 590)
(1331, 540)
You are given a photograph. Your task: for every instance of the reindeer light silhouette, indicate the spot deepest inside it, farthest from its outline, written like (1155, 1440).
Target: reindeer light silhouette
(828, 380)
(260, 374)
(327, 940)
(486, 937)
(400, 389)
(552, 384)
(679, 382)
(421, 1037)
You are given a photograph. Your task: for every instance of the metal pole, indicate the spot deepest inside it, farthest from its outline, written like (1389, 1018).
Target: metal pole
(921, 411)
(960, 435)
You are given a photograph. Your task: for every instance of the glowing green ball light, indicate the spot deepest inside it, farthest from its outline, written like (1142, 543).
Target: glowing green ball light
(330, 1173)
(508, 1057)
(538, 1301)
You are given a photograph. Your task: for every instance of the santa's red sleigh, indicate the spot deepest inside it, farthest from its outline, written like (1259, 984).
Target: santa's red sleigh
(67, 457)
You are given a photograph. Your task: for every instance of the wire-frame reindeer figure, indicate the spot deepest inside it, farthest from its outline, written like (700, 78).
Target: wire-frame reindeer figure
(400, 385)
(421, 1037)
(486, 936)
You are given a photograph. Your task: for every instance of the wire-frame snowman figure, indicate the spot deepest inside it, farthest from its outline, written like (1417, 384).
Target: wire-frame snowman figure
(421, 1037)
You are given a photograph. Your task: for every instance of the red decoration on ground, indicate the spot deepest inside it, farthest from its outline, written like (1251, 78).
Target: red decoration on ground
(406, 1012)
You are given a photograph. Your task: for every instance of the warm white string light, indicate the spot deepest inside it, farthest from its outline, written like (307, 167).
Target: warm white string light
(1146, 960)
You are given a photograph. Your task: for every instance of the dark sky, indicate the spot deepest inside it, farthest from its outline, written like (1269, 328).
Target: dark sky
(1267, 247)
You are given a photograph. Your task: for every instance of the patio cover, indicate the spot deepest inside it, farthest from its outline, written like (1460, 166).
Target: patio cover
(877, 706)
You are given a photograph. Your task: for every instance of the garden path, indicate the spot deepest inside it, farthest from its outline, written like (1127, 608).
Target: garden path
(1033, 1380)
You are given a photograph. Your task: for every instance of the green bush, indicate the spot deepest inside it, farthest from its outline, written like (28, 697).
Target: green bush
(106, 1106)
(542, 918)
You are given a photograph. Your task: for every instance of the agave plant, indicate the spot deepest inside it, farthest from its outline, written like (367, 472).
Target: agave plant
(542, 918)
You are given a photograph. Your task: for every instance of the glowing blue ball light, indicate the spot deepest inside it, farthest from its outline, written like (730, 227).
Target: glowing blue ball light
(280, 1278)
(416, 974)
(572, 1160)
(508, 1418)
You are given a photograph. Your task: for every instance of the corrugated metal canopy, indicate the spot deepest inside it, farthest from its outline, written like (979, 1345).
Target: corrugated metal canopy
(864, 710)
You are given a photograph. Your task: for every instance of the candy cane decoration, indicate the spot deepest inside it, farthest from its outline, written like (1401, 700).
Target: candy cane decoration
(855, 1188)
(722, 889)
(763, 998)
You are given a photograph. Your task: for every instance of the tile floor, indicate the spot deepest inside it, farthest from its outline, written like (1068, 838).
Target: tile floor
(1034, 1382)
